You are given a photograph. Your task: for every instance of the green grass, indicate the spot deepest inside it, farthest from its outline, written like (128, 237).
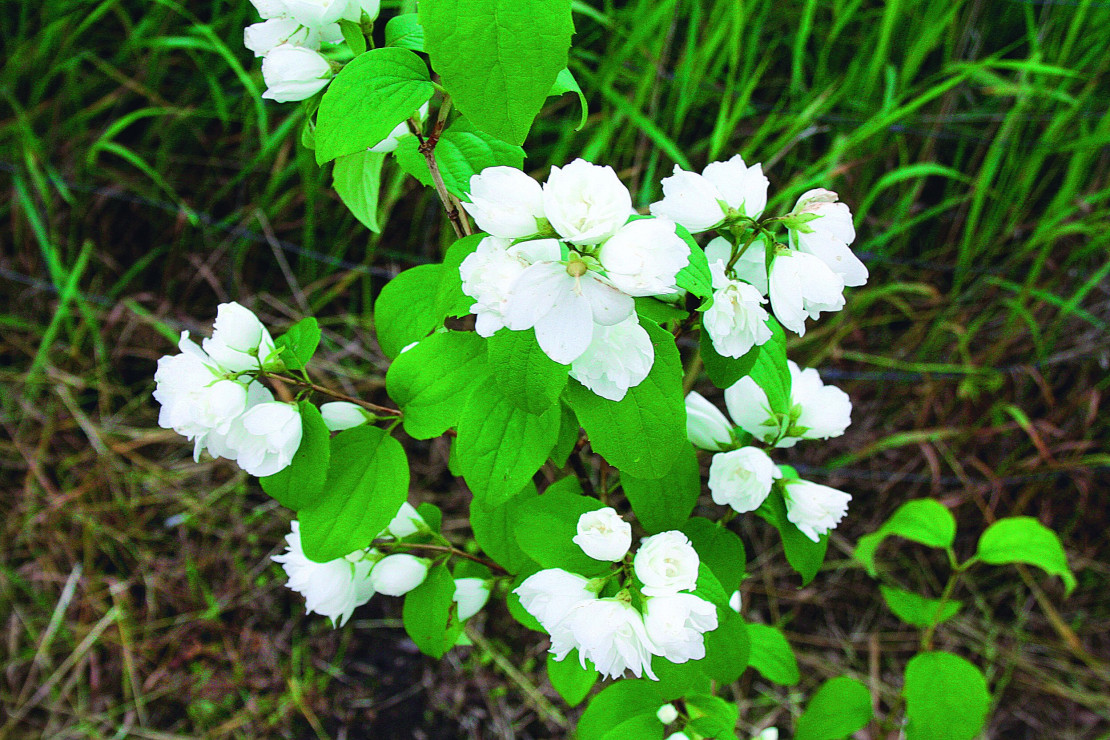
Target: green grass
(969, 138)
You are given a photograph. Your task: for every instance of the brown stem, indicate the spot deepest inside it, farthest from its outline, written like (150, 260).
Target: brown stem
(336, 394)
(442, 548)
(459, 222)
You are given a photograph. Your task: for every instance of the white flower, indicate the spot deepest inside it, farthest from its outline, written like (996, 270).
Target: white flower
(239, 341)
(263, 440)
(825, 410)
(505, 202)
(471, 594)
(666, 563)
(608, 632)
(742, 478)
(270, 8)
(802, 286)
(750, 267)
(332, 589)
(586, 203)
(490, 272)
(667, 714)
(644, 257)
(407, 521)
(736, 321)
(829, 236)
(680, 735)
(700, 202)
(294, 73)
(814, 509)
(706, 426)
(735, 601)
(340, 415)
(550, 594)
(564, 302)
(400, 131)
(676, 625)
(820, 411)
(396, 575)
(618, 357)
(317, 13)
(261, 37)
(355, 9)
(603, 535)
(771, 733)
(197, 400)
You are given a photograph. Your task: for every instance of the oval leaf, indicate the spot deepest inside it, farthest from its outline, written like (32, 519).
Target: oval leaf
(924, 521)
(1022, 539)
(771, 655)
(946, 698)
(840, 707)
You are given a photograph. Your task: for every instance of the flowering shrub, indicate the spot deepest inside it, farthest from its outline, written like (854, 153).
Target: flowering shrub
(548, 339)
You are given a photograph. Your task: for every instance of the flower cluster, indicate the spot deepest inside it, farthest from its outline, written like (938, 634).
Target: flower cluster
(802, 278)
(652, 613)
(289, 39)
(209, 395)
(336, 588)
(742, 476)
(565, 260)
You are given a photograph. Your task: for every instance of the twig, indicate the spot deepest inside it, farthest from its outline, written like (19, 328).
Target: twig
(441, 548)
(428, 147)
(336, 394)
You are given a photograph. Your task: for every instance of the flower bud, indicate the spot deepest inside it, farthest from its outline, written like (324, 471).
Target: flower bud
(407, 521)
(603, 535)
(294, 73)
(396, 575)
(471, 594)
(340, 415)
(239, 341)
(706, 426)
(814, 509)
(667, 714)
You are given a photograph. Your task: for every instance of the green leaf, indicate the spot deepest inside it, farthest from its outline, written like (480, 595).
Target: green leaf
(568, 436)
(924, 521)
(357, 179)
(659, 311)
(564, 83)
(494, 530)
(620, 702)
(1022, 539)
(695, 277)
(712, 716)
(299, 343)
(725, 371)
(368, 480)
(918, 610)
(525, 374)
(546, 526)
(770, 371)
(352, 34)
(405, 311)
(840, 707)
(405, 32)
(717, 718)
(300, 484)
(720, 549)
(498, 58)
(665, 503)
(500, 446)
(461, 152)
(427, 614)
(643, 433)
(804, 555)
(432, 382)
(433, 517)
(570, 679)
(771, 655)
(727, 648)
(368, 98)
(946, 698)
(450, 299)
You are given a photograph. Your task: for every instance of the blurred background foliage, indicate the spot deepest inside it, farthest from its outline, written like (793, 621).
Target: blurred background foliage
(144, 181)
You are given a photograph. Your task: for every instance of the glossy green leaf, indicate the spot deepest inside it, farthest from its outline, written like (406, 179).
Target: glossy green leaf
(368, 480)
(525, 374)
(840, 707)
(405, 32)
(665, 503)
(427, 614)
(917, 610)
(772, 656)
(924, 521)
(618, 703)
(498, 58)
(300, 484)
(357, 179)
(695, 277)
(725, 371)
(546, 526)
(406, 310)
(1022, 539)
(299, 343)
(712, 716)
(946, 698)
(368, 98)
(804, 555)
(432, 382)
(570, 679)
(720, 549)
(461, 152)
(494, 530)
(565, 83)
